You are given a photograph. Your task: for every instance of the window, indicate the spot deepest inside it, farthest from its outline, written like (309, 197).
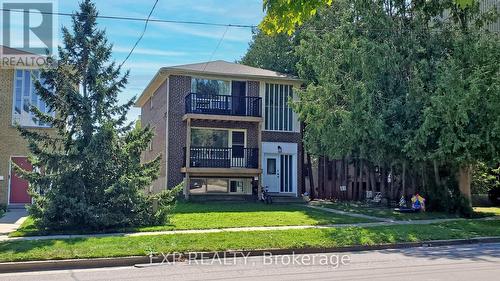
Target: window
(217, 185)
(286, 164)
(24, 96)
(271, 166)
(278, 114)
(218, 138)
(220, 185)
(197, 186)
(209, 138)
(242, 186)
(210, 87)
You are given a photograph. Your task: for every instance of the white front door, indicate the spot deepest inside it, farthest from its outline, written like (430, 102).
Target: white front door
(279, 167)
(271, 172)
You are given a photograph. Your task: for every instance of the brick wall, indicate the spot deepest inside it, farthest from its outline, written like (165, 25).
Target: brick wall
(179, 87)
(155, 116)
(251, 129)
(11, 143)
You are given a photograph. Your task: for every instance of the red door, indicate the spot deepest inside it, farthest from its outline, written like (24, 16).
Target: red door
(18, 186)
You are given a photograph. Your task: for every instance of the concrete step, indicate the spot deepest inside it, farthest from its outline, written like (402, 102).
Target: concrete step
(287, 199)
(221, 197)
(16, 207)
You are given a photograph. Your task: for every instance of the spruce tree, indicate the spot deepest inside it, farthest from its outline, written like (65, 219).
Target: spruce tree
(88, 172)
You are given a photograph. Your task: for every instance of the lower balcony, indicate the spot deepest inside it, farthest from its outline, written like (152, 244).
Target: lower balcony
(223, 157)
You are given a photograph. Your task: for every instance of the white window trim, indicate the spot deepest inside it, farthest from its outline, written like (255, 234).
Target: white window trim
(230, 135)
(13, 121)
(262, 94)
(215, 79)
(204, 178)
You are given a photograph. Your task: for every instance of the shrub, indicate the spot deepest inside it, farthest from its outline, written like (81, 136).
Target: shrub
(494, 196)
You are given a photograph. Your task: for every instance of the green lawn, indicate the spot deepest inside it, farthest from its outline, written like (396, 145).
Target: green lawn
(384, 212)
(223, 215)
(284, 239)
(487, 211)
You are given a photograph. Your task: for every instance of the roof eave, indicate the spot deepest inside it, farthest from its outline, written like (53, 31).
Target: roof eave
(173, 70)
(164, 72)
(151, 87)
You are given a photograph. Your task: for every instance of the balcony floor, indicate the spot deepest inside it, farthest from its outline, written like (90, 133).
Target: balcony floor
(197, 116)
(222, 172)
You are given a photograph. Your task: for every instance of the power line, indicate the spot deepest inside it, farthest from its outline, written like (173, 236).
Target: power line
(216, 48)
(138, 19)
(142, 34)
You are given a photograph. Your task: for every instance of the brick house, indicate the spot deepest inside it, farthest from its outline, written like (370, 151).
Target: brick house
(219, 126)
(16, 95)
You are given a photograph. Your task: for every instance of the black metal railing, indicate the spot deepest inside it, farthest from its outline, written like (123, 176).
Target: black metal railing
(223, 157)
(223, 105)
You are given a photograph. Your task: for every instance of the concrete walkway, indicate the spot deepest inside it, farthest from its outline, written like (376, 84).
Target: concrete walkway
(234, 229)
(350, 214)
(12, 220)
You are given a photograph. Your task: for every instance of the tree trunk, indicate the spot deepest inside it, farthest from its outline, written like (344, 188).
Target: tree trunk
(344, 175)
(383, 180)
(334, 179)
(404, 180)
(311, 179)
(321, 176)
(373, 182)
(464, 179)
(391, 185)
(424, 188)
(356, 178)
(436, 173)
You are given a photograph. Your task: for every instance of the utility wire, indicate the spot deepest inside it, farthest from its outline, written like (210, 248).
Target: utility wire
(216, 48)
(142, 34)
(137, 19)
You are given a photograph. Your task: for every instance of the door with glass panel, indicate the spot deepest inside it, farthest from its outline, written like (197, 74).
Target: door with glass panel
(278, 173)
(238, 94)
(271, 172)
(238, 149)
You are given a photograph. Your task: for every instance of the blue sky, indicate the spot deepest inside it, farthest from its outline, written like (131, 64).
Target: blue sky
(166, 44)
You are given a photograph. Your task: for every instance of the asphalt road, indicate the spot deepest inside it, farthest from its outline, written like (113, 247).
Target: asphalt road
(469, 262)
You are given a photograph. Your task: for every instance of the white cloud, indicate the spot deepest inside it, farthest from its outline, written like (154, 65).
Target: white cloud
(232, 34)
(148, 51)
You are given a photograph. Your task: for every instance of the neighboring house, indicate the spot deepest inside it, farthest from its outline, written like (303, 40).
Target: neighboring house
(16, 95)
(220, 125)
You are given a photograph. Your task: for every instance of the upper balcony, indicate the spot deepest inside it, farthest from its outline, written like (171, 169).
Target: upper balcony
(223, 107)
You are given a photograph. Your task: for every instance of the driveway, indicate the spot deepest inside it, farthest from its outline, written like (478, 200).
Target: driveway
(12, 220)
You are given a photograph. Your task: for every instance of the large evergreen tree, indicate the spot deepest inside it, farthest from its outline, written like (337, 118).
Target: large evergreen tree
(88, 173)
(398, 84)
(271, 52)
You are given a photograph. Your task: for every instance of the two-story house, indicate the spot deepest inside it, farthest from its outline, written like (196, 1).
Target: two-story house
(219, 126)
(17, 94)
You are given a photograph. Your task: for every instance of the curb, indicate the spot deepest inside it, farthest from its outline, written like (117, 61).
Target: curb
(144, 261)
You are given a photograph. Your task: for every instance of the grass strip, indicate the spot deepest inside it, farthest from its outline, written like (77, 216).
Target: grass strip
(251, 240)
